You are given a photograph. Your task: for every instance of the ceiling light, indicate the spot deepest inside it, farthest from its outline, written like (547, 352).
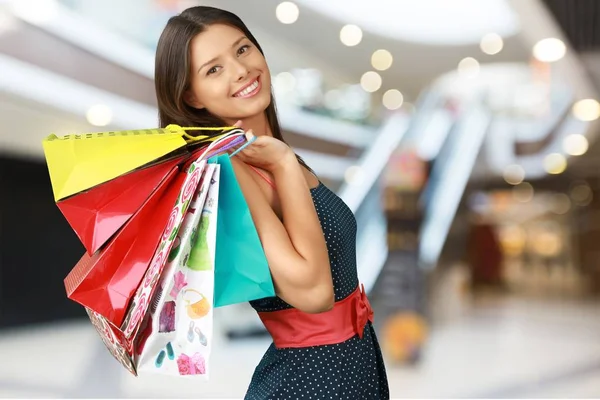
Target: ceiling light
(549, 50)
(285, 82)
(491, 44)
(586, 110)
(99, 115)
(514, 174)
(523, 192)
(392, 99)
(382, 60)
(468, 67)
(561, 204)
(351, 35)
(581, 193)
(555, 163)
(371, 81)
(575, 144)
(287, 12)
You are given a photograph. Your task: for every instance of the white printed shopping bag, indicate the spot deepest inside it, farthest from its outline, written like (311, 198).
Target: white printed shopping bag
(177, 334)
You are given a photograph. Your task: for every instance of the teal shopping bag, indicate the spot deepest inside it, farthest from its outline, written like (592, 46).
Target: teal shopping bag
(241, 270)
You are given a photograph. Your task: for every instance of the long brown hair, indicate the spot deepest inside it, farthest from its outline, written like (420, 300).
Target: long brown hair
(172, 69)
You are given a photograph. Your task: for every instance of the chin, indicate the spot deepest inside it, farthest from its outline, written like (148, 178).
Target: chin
(257, 106)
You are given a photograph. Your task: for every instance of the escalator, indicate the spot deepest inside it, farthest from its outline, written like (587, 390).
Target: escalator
(400, 294)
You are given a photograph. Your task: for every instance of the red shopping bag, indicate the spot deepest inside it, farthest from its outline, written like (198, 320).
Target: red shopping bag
(120, 340)
(106, 281)
(98, 213)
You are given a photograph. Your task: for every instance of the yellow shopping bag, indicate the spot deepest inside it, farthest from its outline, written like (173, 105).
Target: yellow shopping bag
(79, 162)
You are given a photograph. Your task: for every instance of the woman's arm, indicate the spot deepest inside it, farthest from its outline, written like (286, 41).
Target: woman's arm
(294, 246)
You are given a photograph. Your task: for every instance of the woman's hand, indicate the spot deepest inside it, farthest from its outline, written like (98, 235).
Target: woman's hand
(266, 153)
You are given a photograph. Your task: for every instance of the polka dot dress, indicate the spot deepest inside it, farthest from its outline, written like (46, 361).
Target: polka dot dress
(353, 369)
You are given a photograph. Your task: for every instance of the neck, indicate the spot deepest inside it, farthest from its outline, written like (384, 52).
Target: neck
(259, 125)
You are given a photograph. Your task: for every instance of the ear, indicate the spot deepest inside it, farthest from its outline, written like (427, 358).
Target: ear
(191, 100)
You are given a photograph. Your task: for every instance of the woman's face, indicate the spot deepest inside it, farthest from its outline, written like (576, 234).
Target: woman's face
(229, 76)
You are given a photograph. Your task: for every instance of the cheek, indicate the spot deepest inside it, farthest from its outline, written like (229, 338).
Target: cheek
(266, 79)
(264, 67)
(211, 93)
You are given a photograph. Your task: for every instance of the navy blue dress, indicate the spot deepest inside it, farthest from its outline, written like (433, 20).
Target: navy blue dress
(353, 369)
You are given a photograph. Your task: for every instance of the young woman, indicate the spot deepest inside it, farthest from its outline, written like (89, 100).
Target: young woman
(210, 71)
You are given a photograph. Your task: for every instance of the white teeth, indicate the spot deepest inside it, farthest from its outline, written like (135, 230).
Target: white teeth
(248, 90)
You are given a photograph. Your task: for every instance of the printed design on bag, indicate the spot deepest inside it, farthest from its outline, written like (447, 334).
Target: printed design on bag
(159, 359)
(155, 268)
(175, 249)
(190, 334)
(210, 203)
(173, 218)
(194, 365)
(197, 305)
(192, 185)
(179, 282)
(200, 258)
(182, 300)
(156, 300)
(131, 324)
(170, 353)
(110, 340)
(138, 314)
(193, 236)
(167, 317)
(201, 336)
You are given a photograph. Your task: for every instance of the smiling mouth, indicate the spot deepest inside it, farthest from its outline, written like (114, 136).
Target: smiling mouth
(249, 90)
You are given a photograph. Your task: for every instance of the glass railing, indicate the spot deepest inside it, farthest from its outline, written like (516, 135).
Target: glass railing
(448, 180)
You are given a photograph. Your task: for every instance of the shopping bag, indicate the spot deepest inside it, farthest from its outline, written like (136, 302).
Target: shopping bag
(79, 162)
(98, 213)
(106, 281)
(120, 340)
(241, 270)
(176, 336)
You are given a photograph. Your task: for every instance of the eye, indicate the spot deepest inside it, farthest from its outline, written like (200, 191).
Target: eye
(243, 49)
(213, 70)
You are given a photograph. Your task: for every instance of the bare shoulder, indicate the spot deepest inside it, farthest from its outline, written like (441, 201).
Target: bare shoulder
(247, 181)
(241, 172)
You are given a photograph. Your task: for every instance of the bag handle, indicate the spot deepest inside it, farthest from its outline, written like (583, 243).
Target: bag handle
(182, 130)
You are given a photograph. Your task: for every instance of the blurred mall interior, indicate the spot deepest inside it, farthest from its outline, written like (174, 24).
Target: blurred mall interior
(461, 133)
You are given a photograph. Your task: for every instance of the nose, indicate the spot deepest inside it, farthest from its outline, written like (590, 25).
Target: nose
(240, 70)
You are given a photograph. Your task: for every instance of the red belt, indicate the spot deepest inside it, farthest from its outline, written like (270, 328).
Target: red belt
(294, 328)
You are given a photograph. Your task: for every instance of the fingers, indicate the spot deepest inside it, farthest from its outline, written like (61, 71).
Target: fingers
(238, 124)
(241, 156)
(250, 138)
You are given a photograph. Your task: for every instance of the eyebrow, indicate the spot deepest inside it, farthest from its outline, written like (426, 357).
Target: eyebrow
(216, 58)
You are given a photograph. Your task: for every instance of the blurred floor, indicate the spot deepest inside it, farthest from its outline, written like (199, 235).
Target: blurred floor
(501, 347)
